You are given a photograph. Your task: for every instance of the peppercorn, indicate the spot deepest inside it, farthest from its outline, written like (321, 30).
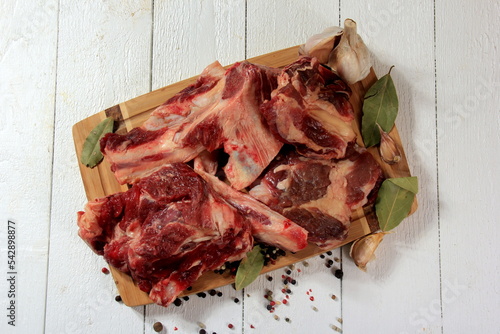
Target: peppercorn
(339, 273)
(118, 298)
(202, 331)
(236, 300)
(157, 326)
(177, 302)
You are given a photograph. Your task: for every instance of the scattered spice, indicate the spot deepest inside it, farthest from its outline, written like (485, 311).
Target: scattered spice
(201, 294)
(315, 308)
(219, 294)
(305, 263)
(322, 256)
(269, 278)
(329, 253)
(288, 271)
(311, 298)
(212, 292)
(276, 317)
(158, 326)
(118, 298)
(186, 298)
(339, 320)
(251, 326)
(201, 325)
(287, 319)
(105, 270)
(236, 300)
(177, 302)
(230, 326)
(202, 331)
(334, 297)
(335, 328)
(336, 259)
(285, 301)
(339, 273)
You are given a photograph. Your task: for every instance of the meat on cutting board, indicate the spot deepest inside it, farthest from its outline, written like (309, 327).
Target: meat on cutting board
(310, 109)
(172, 226)
(319, 194)
(220, 110)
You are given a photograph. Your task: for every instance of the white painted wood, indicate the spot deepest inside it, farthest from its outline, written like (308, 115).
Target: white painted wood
(103, 59)
(402, 285)
(27, 79)
(468, 79)
(275, 25)
(188, 36)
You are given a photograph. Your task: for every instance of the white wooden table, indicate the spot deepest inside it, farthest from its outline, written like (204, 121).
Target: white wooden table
(62, 61)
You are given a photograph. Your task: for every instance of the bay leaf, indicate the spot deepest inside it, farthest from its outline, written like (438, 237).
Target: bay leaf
(249, 268)
(91, 152)
(394, 200)
(409, 183)
(380, 106)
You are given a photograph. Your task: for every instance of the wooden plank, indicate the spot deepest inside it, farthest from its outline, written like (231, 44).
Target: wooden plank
(468, 146)
(27, 88)
(189, 35)
(285, 23)
(103, 58)
(404, 277)
(127, 289)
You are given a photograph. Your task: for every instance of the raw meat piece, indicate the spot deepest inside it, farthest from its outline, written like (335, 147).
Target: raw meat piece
(317, 194)
(310, 109)
(267, 225)
(220, 110)
(172, 226)
(166, 230)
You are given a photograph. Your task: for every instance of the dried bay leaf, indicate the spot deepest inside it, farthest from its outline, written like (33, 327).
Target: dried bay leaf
(91, 152)
(394, 200)
(380, 106)
(249, 268)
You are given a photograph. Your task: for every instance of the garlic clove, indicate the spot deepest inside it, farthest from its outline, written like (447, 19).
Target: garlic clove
(389, 152)
(362, 250)
(322, 44)
(350, 59)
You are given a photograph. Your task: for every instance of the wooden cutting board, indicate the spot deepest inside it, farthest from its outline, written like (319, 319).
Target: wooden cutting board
(100, 181)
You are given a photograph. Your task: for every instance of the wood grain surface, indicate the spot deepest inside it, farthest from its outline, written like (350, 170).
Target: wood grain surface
(100, 181)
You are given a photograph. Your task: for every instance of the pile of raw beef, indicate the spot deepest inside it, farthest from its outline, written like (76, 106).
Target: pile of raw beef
(245, 154)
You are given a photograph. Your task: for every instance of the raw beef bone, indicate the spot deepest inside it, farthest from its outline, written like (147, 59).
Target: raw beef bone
(310, 109)
(172, 226)
(318, 194)
(220, 110)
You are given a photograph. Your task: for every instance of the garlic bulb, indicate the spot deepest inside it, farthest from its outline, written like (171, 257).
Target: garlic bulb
(321, 45)
(342, 50)
(363, 249)
(350, 59)
(389, 152)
